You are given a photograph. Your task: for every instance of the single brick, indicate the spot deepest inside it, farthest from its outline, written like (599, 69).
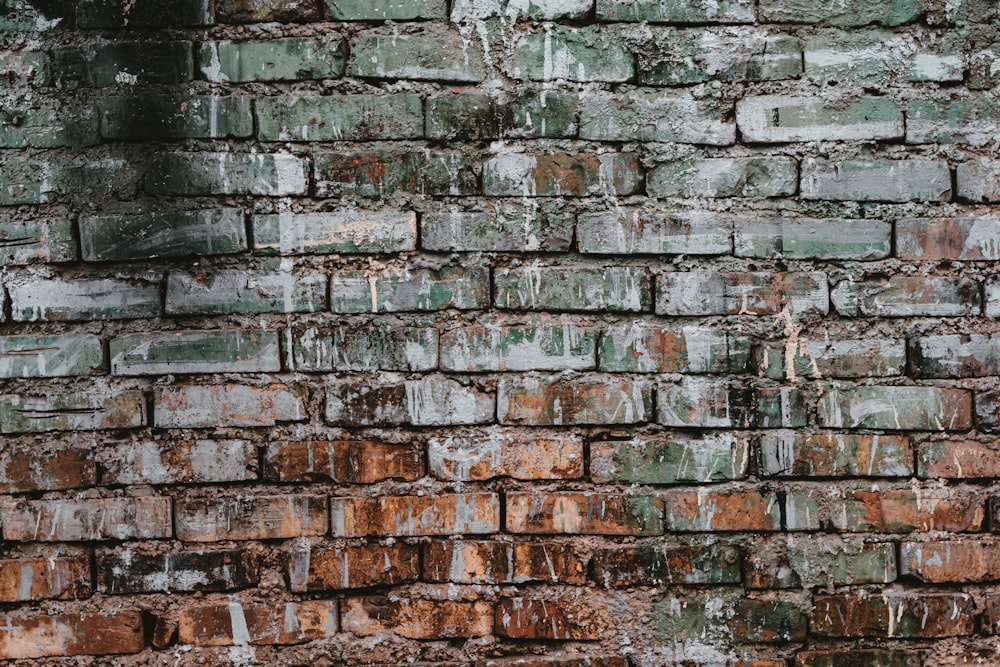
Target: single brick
(232, 623)
(325, 567)
(362, 348)
(612, 288)
(71, 634)
(568, 617)
(144, 13)
(722, 509)
(955, 560)
(895, 614)
(218, 351)
(789, 561)
(202, 406)
(499, 452)
(575, 513)
(63, 576)
(847, 13)
(729, 617)
(992, 293)
(964, 121)
(623, 566)
(628, 231)
(896, 408)
(415, 618)
(272, 60)
(676, 11)
(100, 64)
(41, 239)
(87, 520)
(523, 113)
(411, 516)
(684, 57)
(539, 343)
(877, 57)
(131, 570)
(907, 296)
(650, 115)
(150, 235)
(380, 10)
(50, 356)
(344, 461)
(55, 299)
(957, 239)
(47, 124)
(724, 177)
(269, 286)
(772, 119)
(988, 410)
(702, 402)
(704, 293)
(381, 172)
(434, 54)
(472, 562)
(979, 180)
(432, 400)
(504, 226)
(851, 358)
(68, 467)
(834, 455)
(470, 10)
(557, 400)
(645, 347)
(410, 289)
(180, 462)
(876, 180)
(106, 176)
(963, 459)
(334, 232)
(29, 67)
(669, 459)
(858, 657)
(266, 11)
(155, 115)
(72, 411)
(574, 54)
(261, 517)
(272, 175)
(340, 117)
(809, 238)
(955, 356)
(561, 175)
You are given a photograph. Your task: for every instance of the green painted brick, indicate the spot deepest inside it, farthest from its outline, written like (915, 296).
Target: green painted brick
(669, 459)
(908, 296)
(724, 177)
(435, 54)
(779, 407)
(612, 288)
(710, 622)
(741, 293)
(525, 114)
(38, 240)
(876, 180)
(850, 358)
(23, 17)
(549, 10)
(791, 561)
(72, 411)
(288, 59)
(50, 356)
(208, 173)
(149, 235)
(574, 54)
(195, 352)
(787, 454)
(380, 10)
(99, 176)
(504, 226)
(879, 57)
(266, 287)
(540, 343)
(47, 124)
(702, 403)
(896, 408)
(773, 119)
(55, 299)
(266, 11)
(334, 232)
(383, 171)
(647, 347)
(144, 13)
(157, 115)
(847, 13)
(683, 57)
(24, 68)
(102, 64)
(650, 115)
(340, 117)
(810, 238)
(971, 120)
(628, 231)
(677, 11)
(355, 348)
(562, 175)
(410, 289)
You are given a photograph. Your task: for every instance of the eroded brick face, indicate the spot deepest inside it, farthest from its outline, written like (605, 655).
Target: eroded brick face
(502, 333)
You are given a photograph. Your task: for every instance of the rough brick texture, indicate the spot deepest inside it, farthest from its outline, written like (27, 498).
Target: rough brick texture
(500, 333)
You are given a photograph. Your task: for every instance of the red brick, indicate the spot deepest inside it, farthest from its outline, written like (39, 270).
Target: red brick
(959, 560)
(461, 514)
(472, 562)
(958, 239)
(27, 471)
(965, 459)
(788, 454)
(417, 618)
(516, 453)
(991, 613)
(583, 513)
(146, 517)
(588, 660)
(624, 565)
(900, 614)
(550, 562)
(857, 658)
(346, 461)
(232, 623)
(71, 634)
(250, 517)
(555, 401)
(62, 576)
(563, 617)
(327, 567)
(721, 510)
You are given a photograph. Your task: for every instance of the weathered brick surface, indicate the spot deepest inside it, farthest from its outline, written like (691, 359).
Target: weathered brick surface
(71, 634)
(353, 462)
(250, 517)
(130, 570)
(472, 514)
(65, 576)
(229, 623)
(325, 567)
(87, 519)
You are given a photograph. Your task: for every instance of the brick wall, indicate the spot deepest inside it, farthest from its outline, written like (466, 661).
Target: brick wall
(546, 333)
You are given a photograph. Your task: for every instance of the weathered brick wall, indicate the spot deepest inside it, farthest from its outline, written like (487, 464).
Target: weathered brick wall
(608, 332)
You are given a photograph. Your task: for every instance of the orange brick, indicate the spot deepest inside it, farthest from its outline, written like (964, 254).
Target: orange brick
(416, 618)
(462, 514)
(71, 634)
(234, 623)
